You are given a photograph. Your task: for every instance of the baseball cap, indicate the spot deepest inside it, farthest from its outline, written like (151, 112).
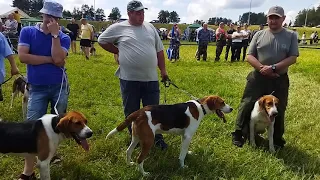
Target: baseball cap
(276, 10)
(135, 6)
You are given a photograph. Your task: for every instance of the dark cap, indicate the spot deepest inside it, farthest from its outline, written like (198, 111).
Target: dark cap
(276, 10)
(135, 6)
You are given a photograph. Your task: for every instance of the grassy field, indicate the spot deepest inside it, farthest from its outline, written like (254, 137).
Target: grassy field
(95, 92)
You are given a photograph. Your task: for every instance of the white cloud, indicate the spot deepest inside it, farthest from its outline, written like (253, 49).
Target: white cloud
(290, 16)
(169, 2)
(151, 13)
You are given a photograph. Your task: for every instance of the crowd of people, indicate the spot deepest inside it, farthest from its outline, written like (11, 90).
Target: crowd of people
(139, 53)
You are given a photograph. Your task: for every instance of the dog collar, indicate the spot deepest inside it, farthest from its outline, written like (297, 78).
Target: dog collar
(202, 107)
(55, 121)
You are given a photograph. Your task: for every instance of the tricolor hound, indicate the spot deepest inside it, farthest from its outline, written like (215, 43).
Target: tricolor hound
(182, 119)
(262, 117)
(42, 137)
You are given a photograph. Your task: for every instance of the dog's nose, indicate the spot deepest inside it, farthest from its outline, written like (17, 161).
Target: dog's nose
(89, 134)
(231, 109)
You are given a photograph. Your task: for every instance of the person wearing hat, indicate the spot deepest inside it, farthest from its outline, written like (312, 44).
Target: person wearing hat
(139, 51)
(270, 53)
(44, 48)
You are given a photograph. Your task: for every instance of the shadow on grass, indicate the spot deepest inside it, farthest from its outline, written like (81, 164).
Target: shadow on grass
(299, 161)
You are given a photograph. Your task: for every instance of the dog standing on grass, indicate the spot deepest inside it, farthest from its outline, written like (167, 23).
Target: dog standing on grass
(20, 86)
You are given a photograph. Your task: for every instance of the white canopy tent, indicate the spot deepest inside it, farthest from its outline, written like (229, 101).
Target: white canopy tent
(9, 10)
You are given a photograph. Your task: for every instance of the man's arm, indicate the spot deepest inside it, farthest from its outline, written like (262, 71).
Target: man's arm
(162, 65)
(253, 61)
(25, 57)
(109, 47)
(14, 68)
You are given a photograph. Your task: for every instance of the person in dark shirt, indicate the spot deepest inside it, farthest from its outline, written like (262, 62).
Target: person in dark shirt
(204, 38)
(229, 40)
(74, 28)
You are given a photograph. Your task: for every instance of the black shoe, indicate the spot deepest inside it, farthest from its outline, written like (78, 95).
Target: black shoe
(1, 96)
(161, 144)
(237, 138)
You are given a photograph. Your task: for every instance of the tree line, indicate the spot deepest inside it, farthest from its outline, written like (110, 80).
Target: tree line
(313, 17)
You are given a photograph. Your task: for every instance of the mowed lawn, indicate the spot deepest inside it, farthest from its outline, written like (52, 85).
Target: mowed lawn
(95, 92)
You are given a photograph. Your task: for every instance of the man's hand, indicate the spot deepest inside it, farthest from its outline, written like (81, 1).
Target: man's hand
(267, 71)
(14, 71)
(53, 27)
(164, 76)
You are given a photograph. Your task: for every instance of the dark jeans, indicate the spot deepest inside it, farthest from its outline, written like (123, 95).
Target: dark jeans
(202, 50)
(134, 91)
(236, 51)
(227, 51)
(257, 86)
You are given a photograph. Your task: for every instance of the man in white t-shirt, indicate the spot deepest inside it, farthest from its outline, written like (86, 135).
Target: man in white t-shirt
(139, 51)
(11, 25)
(237, 38)
(245, 41)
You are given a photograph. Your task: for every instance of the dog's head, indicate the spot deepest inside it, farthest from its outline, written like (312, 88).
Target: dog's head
(74, 124)
(269, 103)
(216, 104)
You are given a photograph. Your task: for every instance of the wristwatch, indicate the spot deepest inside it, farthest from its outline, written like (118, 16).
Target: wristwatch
(55, 36)
(274, 67)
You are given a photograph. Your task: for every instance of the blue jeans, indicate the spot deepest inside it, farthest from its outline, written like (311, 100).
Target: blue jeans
(41, 95)
(134, 91)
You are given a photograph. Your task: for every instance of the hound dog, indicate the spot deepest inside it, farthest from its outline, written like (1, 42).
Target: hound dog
(182, 119)
(41, 137)
(20, 86)
(262, 117)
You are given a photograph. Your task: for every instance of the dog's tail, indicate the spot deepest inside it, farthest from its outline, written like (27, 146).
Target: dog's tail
(123, 125)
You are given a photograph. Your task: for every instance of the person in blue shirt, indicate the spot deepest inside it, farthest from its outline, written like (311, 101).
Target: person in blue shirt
(204, 39)
(44, 49)
(6, 52)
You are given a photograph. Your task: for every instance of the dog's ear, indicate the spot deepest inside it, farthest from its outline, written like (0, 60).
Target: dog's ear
(211, 102)
(261, 102)
(63, 125)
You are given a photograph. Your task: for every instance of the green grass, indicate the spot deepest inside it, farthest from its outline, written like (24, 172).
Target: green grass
(95, 92)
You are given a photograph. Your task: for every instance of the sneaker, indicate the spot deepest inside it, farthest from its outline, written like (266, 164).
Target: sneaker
(161, 144)
(237, 138)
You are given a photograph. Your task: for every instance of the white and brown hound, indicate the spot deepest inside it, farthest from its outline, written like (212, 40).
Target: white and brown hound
(182, 119)
(41, 137)
(262, 117)
(20, 86)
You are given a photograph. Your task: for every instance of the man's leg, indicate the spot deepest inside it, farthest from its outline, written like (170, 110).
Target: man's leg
(62, 101)
(130, 92)
(1, 95)
(233, 52)
(150, 96)
(281, 88)
(227, 51)
(199, 52)
(253, 90)
(218, 51)
(205, 53)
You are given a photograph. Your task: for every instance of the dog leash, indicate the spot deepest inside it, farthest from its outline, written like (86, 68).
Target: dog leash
(64, 76)
(167, 84)
(10, 79)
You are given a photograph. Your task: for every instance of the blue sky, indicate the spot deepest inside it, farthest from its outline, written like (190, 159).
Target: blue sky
(190, 10)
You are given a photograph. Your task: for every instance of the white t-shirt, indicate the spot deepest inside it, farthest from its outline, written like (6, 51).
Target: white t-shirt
(12, 24)
(238, 39)
(197, 31)
(246, 33)
(138, 47)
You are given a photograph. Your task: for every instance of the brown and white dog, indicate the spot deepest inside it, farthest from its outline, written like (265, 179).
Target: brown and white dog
(20, 86)
(182, 119)
(262, 117)
(41, 137)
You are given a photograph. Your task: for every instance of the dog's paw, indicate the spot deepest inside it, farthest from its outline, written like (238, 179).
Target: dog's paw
(184, 167)
(190, 152)
(130, 163)
(146, 174)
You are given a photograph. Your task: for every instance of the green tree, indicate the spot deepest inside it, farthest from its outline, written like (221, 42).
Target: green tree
(66, 13)
(77, 13)
(36, 6)
(100, 16)
(115, 14)
(164, 16)
(24, 5)
(174, 17)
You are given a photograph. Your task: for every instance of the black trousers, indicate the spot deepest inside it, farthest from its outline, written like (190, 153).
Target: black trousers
(245, 44)
(257, 86)
(236, 51)
(228, 47)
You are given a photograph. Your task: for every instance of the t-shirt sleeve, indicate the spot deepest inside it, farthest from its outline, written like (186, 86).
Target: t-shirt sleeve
(110, 35)
(65, 43)
(6, 51)
(294, 50)
(24, 39)
(252, 50)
